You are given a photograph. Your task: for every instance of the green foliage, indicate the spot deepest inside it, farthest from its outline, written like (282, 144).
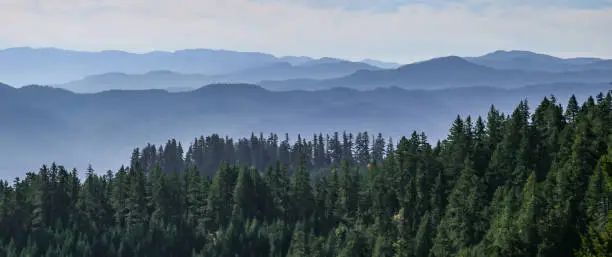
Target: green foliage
(519, 185)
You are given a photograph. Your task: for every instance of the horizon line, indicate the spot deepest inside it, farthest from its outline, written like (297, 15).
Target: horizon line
(362, 59)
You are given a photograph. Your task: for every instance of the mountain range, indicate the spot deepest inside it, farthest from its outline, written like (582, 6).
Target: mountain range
(281, 71)
(525, 60)
(24, 65)
(444, 72)
(117, 100)
(50, 66)
(102, 128)
(185, 70)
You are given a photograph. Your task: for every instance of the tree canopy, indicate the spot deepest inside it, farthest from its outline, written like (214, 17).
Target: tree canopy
(528, 183)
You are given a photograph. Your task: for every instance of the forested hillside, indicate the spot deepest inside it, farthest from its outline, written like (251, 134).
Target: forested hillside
(103, 128)
(534, 182)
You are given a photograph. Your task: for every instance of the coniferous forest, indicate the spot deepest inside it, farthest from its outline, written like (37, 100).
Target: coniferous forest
(534, 182)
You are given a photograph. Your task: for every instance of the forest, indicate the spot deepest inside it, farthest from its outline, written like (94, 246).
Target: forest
(534, 182)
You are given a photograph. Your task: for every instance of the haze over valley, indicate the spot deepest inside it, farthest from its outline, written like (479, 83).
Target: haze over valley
(293, 128)
(112, 101)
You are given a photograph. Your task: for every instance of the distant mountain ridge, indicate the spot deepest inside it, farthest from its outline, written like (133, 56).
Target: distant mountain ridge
(381, 64)
(192, 68)
(325, 73)
(526, 60)
(101, 128)
(25, 65)
(316, 69)
(159, 79)
(324, 68)
(444, 72)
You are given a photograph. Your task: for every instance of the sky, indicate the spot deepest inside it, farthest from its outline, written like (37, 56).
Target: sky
(388, 30)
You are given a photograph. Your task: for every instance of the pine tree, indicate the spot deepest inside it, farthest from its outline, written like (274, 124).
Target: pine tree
(219, 202)
(526, 220)
(301, 193)
(136, 200)
(463, 223)
(299, 242)
(423, 237)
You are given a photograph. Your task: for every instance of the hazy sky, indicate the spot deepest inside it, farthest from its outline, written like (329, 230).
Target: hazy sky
(391, 30)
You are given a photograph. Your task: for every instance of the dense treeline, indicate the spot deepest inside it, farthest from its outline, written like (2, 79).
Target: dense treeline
(208, 153)
(524, 184)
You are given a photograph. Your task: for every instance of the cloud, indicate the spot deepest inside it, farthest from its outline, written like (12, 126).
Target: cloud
(380, 5)
(409, 32)
(393, 5)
